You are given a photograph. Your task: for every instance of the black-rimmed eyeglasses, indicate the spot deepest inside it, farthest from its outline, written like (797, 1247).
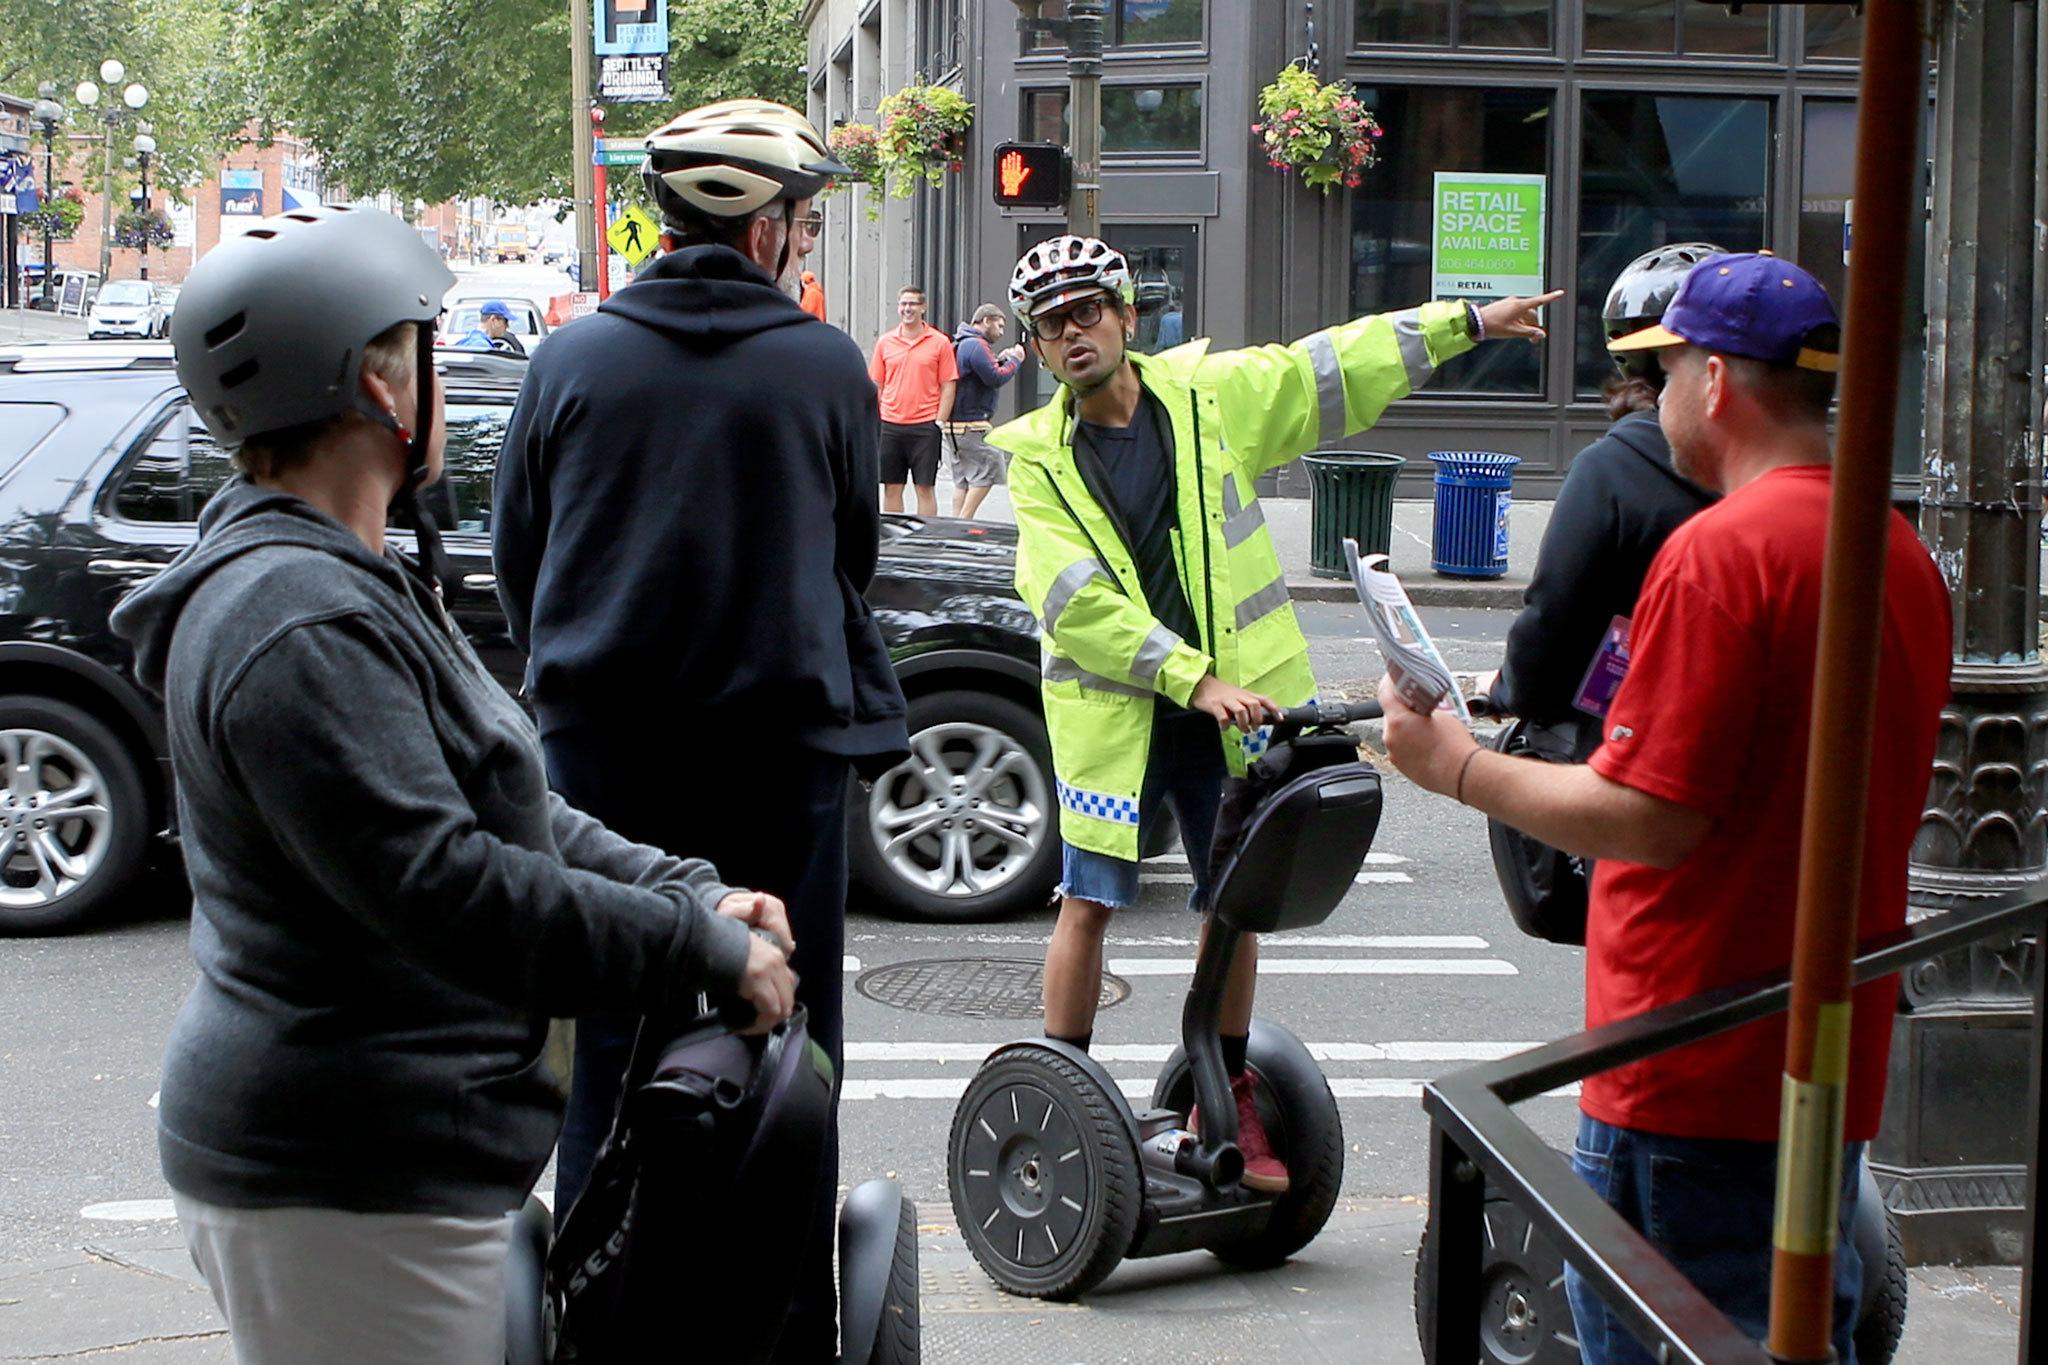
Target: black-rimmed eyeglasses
(1051, 326)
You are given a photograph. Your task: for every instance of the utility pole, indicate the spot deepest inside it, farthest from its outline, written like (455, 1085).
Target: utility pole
(1081, 31)
(588, 262)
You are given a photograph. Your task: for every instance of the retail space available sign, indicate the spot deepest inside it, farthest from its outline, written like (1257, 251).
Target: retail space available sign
(638, 79)
(1486, 235)
(630, 28)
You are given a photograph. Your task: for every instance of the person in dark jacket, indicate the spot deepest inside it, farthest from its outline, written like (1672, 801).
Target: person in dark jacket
(388, 905)
(977, 465)
(685, 524)
(1620, 501)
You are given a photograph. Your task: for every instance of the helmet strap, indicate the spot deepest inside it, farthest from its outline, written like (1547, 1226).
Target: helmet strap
(788, 239)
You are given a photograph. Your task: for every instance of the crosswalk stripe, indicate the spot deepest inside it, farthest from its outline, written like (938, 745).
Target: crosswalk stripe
(1150, 878)
(1156, 1053)
(1270, 942)
(1181, 859)
(1137, 1088)
(1329, 966)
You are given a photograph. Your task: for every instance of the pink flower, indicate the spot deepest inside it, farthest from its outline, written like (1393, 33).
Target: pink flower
(1294, 113)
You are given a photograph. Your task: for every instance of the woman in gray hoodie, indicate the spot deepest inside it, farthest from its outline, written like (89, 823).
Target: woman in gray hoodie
(389, 906)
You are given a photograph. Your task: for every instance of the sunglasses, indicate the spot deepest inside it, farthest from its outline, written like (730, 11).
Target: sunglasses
(1052, 326)
(813, 224)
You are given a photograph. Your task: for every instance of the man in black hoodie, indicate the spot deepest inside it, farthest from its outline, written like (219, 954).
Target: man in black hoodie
(685, 522)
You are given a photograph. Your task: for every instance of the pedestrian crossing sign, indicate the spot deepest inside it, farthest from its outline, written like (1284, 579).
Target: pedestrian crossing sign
(634, 235)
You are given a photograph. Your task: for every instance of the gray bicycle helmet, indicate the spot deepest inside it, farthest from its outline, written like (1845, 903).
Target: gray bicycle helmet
(271, 325)
(1641, 293)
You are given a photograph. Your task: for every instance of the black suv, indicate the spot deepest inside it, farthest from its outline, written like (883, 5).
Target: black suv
(104, 468)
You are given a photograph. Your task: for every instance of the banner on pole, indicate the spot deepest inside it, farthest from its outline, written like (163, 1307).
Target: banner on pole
(630, 27)
(641, 79)
(241, 201)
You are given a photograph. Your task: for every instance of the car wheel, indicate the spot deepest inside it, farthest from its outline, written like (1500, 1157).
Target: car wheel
(967, 828)
(73, 816)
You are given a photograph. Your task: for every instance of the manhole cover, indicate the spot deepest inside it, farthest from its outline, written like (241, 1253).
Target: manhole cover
(972, 987)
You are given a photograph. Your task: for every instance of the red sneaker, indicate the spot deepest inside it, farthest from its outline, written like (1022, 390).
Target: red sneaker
(1263, 1171)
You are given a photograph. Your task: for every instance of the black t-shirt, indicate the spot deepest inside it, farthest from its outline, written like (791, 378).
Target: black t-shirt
(1140, 472)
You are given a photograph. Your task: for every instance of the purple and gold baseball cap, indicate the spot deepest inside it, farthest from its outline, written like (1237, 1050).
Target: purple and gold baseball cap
(1751, 305)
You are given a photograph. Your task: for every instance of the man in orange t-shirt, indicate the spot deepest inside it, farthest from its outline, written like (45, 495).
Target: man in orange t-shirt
(913, 367)
(1694, 802)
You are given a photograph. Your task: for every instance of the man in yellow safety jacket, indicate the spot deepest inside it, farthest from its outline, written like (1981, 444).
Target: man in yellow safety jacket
(1168, 635)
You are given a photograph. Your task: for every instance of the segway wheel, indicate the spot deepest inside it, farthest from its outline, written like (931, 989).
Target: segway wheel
(1524, 1317)
(1044, 1175)
(1307, 1132)
(1883, 1320)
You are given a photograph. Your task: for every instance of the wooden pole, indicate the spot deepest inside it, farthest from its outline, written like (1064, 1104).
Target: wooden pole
(1845, 690)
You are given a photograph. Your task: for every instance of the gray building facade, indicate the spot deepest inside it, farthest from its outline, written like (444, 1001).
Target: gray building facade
(1651, 121)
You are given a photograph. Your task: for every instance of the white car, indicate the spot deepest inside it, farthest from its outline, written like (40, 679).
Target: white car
(125, 308)
(464, 316)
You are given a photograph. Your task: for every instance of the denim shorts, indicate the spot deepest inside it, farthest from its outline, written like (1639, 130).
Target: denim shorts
(1185, 771)
(1707, 1205)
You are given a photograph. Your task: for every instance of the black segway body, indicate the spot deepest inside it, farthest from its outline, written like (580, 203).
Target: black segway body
(1055, 1180)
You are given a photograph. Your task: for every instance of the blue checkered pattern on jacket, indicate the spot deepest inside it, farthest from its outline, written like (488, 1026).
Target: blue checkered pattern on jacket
(1118, 810)
(1259, 740)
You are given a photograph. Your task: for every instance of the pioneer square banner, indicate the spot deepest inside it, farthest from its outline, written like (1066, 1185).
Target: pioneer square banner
(630, 28)
(633, 80)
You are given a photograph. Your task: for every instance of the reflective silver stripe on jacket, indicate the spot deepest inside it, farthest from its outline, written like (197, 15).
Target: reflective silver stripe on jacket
(1072, 579)
(1262, 603)
(1152, 655)
(1414, 350)
(1239, 521)
(1053, 668)
(1322, 358)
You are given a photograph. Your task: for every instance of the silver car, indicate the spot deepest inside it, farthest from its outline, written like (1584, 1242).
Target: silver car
(125, 308)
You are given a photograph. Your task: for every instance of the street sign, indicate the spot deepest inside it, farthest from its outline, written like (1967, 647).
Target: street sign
(616, 152)
(1030, 175)
(634, 234)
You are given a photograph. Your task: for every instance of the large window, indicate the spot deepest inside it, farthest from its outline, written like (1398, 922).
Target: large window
(1674, 26)
(1659, 169)
(1833, 33)
(180, 468)
(1519, 24)
(1137, 120)
(1136, 23)
(1827, 177)
(1430, 129)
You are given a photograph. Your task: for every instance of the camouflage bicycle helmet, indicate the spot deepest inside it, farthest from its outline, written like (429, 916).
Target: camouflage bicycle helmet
(1641, 293)
(736, 156)
(1065, 268)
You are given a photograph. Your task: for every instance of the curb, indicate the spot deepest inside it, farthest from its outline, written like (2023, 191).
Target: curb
(1480, 595)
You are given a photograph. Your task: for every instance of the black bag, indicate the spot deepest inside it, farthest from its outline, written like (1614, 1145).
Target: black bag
(1546, 889)
(702, 1192)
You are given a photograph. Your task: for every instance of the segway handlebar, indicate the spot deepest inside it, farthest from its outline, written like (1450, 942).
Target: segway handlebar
(1330, 713)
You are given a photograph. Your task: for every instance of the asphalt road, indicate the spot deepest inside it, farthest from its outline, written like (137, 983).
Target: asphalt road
(1417, 971)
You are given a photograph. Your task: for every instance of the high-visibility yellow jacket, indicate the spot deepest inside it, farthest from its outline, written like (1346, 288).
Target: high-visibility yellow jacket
(1232, 416)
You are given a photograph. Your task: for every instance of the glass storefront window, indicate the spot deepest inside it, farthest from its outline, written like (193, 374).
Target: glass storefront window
(1432, 129)
(1163, 267)
(1429, 23)
(1676, 26)
(1137, 120)
(1827, 177)
(1833, 32)
(1658, 169)
(1134, 23)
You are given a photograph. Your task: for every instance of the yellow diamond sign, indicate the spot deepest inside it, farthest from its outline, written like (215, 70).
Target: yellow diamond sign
(634, 235)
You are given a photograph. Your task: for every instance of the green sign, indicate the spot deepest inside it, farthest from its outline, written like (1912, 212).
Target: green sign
(1486, 236)
(620, 156)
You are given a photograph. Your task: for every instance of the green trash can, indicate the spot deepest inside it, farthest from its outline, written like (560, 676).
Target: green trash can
(1350, 496)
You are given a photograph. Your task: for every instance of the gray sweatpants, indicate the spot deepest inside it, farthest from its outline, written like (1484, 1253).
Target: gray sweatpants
(304, 1286)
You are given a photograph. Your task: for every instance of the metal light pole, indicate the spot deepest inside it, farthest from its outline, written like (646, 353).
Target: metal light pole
(589, 263)
(49, 113)
(1081, 31)
(145, 148)
(135, 96)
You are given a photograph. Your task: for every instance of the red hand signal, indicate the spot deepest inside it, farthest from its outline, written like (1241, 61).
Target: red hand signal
(1012, 173)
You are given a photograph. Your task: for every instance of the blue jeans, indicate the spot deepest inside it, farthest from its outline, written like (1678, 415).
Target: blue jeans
(1706, 1204)
(1185, 770)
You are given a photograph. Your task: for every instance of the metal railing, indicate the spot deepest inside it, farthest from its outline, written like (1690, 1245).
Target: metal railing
(1478, 1145)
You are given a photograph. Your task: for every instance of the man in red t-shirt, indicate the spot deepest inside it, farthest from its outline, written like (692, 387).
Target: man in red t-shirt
(1693, 803)
(915, 373)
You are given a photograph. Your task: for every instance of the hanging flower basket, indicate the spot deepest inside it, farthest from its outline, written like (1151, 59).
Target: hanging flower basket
(923, 136)
(59, 216)
(138, 228)
(856, 145)
(1322, 131)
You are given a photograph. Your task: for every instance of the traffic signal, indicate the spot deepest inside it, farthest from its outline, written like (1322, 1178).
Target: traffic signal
(1031, 175)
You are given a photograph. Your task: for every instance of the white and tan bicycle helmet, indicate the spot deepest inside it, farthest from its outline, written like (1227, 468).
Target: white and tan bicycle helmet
(728, 159)
(1066, 268)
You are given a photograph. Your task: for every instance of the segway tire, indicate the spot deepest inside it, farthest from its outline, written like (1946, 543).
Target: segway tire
(1525, 1318)
(898, 1341)
(1883, 1320)
(1044, 1175)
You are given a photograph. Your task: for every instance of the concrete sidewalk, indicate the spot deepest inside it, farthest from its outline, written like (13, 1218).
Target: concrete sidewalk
(1288, 520)
(1348, 1298)
(27, 324)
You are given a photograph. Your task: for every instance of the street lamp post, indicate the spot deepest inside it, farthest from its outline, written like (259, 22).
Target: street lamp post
(49, 113)
(134, 97)
(145, 148)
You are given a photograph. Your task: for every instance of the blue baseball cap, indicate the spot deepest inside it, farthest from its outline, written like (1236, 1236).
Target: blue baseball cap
(495, 309)
(1752, 305)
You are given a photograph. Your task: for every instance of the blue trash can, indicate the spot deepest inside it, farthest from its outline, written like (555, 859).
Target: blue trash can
(1474, 489)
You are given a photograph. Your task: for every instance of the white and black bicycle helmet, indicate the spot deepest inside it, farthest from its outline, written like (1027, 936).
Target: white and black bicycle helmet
(1065, 268)
(728, 159)
(1640, 294)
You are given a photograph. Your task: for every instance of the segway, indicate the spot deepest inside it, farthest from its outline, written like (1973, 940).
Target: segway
(1055, 1180)
(700, 1200)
